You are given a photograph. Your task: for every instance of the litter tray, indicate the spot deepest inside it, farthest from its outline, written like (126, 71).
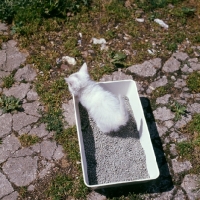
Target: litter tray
(125, 88)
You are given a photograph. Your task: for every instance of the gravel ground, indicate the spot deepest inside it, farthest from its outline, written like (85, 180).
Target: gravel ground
(113, 157)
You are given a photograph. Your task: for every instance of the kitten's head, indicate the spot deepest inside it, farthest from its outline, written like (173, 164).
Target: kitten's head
(78, 80)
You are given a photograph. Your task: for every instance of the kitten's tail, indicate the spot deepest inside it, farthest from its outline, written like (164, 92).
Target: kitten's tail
(123, 109)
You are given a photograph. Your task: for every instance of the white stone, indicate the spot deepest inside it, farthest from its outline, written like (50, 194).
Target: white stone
(141, 20)
(98, 41)
(69, 59)
(161, 23)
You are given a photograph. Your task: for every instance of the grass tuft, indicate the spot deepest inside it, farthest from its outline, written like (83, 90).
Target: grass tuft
(53, 119)
(191, 149)
(28, 140)
(154, 4)
(160, 91)
(193, 82)
(8, 81)
(178, 109)
(68, 139)
(185, 148)
(63, 186)
(24, 10)
(22, 191)
(10, 103)
(60, 187)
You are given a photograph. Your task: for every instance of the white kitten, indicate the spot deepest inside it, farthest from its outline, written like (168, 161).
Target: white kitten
(107, 110)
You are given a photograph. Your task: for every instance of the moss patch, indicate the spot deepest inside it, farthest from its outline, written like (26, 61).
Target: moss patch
(160, 91)
(28, 140)
(8, 81)
(191, 149)
(193, 82)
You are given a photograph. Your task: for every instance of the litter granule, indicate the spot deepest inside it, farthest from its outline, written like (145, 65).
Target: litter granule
(113, 157)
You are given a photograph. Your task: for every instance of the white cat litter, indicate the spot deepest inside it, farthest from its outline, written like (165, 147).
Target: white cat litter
(118, 158)
(161, 23)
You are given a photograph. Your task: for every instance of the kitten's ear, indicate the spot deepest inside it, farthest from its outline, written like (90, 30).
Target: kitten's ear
(66, 80)
(69, 81)
(84, 68)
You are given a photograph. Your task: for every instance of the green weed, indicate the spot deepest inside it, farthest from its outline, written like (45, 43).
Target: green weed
(70, 43)
(68, 139)
(8, 81)
(188, 11)
(22, 191)
(110, 34)
(118, 58)
(191, 149)
(10, 103)
(160, 91)
(52, 92)
(3, 38)
(154, 4)
(171, 46)
(97, 72)
(193, 82)
(185, 149)
(16, 9)
(1, 141)
(61, 187)
(194, 125)
(53, 118)
(80, 189)
(28, 140)
(41, 63)
(178, 109)
(117, 10)
(179, 37)
(197, 38)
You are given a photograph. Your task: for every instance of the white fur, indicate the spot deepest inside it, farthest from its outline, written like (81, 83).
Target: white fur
(107, 110)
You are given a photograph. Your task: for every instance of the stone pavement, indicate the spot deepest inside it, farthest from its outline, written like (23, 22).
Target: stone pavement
(23, 166)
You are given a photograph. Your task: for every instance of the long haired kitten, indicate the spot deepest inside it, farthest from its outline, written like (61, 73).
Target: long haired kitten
(106, 109)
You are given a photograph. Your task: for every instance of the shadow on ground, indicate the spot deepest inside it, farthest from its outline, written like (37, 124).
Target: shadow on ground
(164, 182)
